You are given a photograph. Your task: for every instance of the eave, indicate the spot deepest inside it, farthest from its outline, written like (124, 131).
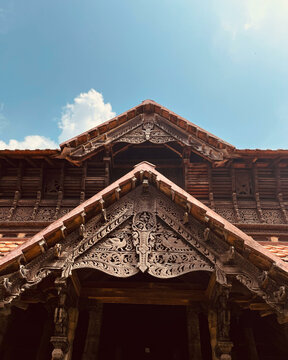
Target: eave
(59, 229)
(101, 135)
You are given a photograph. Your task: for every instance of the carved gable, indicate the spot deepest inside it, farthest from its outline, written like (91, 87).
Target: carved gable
(145, 241)
(151, 128)
(146, 231)
(132, 248)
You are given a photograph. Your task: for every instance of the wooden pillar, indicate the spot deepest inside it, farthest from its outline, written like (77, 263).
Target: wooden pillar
(193, 332)
(219, 326)
(4, 319)
(252, 349)
(211, 194)
(61, 321)
(212, 321)
(72, 324)
(91, 349)
(46, 332)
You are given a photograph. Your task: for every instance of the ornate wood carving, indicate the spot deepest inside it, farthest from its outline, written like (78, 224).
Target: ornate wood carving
(152, 128)
(145, 231)
(146, 244)
(219, 323)
(61, 321)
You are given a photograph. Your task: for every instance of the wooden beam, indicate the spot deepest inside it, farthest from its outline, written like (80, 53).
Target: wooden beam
(49, 161)
(30, 161)
(143, 296)
(172, 149)
(9, 161)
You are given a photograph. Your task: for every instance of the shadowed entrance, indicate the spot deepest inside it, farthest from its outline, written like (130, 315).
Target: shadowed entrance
(143, 332)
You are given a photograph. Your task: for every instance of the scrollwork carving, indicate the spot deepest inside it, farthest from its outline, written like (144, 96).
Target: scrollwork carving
(249, 216)
(273, 216)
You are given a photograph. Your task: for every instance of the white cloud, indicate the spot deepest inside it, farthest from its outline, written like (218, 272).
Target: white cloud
(253, 23)
(29, 142)
(87, 111)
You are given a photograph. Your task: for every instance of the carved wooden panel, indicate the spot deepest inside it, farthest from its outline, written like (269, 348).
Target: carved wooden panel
(147, 132)
(243, 184)
(146, 244)
(226, 213)
(249, 216)
(22, 214)
(45, 213)
(152, 128)
(115, 254)
(52, 184)
(146, 231)
(4, 213)
(273, 216)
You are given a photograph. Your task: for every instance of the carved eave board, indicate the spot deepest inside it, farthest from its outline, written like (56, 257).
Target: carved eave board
(144, 223)
(147, 122)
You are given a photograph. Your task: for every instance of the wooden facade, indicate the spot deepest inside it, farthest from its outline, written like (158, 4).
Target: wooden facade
(146, 237)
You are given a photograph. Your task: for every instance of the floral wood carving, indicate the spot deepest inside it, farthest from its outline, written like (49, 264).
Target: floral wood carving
(273, 216)
(147, 127)
(249, 216)
(227, 214)
(147, 244)
(146, 231)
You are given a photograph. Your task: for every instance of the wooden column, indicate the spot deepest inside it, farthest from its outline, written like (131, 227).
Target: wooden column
(234, 195)
(219, 325)
(193, 332)
(46, 332)
(72, 324)
(256, 193)
(91, 349)
(60, 337)
(249, 335)
(83, 181)
(211, 194)
(4, 319)
(279, 193)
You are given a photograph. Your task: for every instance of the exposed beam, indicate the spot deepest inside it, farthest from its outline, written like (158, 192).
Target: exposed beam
(30, 161)
(174, 150)
(49, 161)
(143, 296)
(9, 161)
(124, 148)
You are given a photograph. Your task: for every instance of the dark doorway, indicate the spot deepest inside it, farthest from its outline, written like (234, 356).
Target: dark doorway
(143, 332)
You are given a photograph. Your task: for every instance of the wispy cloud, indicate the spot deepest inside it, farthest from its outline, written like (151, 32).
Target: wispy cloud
(253, 22)
(87, 110)
(6, 11)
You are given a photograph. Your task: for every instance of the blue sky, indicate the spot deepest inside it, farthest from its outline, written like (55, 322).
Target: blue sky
(67, 65)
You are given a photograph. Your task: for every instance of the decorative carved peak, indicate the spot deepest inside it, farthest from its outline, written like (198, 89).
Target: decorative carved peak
(151, 226)
(150, 122)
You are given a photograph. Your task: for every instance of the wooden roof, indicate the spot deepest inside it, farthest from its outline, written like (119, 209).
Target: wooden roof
(101, 134)
(147, 106)
(261, 272)
(55, 232)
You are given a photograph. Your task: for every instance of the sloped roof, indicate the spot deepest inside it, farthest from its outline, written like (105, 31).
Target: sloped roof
(261, 272)
(148, 106)
(103, 130)
(57, 230)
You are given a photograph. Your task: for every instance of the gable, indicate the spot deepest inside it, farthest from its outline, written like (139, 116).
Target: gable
(147, 122)
(153, 227)
(144, 242)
